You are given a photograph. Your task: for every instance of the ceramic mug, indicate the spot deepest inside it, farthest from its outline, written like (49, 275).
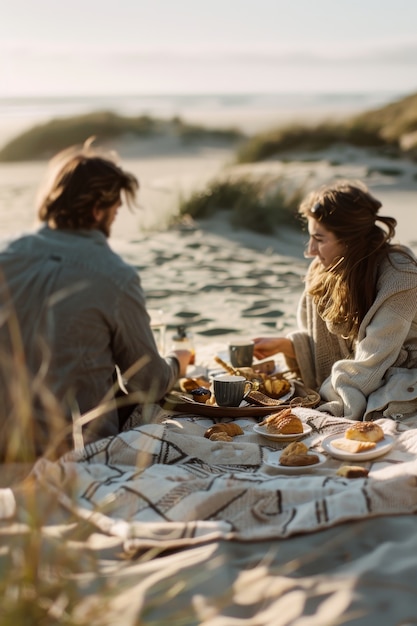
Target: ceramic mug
(230, 390)
(241, 353)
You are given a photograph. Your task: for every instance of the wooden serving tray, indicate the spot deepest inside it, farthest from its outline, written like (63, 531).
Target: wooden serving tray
(176, 401)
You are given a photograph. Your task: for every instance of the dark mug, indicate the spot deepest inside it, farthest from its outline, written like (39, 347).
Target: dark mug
(241, 353)
(230, 390)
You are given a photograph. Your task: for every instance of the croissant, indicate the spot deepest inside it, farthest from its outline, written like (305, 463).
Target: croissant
(275, 417)
(296, 454)
(230, 429)
(284, 423)
(296, 460)
(296, 447)
(291, 425)
(220, 436)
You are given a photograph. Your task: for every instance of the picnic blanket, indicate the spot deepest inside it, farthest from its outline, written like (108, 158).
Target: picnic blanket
(159, 525)
(166, 480)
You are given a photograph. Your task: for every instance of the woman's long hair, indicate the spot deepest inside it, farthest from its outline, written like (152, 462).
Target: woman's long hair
(344, 292)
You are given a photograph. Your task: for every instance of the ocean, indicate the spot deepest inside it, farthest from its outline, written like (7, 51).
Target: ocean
(251, 112)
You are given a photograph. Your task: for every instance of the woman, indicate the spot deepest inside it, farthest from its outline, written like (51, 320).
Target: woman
(357, 337)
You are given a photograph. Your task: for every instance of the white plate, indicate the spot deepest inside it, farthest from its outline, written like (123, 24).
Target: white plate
(382, 447)
(262, 430)
(273, 461)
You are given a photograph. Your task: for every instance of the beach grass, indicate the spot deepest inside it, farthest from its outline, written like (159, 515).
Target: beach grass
(391, 129)
(44, 140)
(259, 204)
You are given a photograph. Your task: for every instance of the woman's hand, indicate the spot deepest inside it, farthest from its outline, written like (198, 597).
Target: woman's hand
(267, 346)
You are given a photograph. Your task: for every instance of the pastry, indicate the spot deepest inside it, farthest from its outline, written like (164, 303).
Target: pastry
(230, 428)
(275, 387)
(365, 431)
(220, 436)
(352, 471)
(275, 417)
(296, 447)
(201, 394)
(349, 445)
(296, 454)
(261, 399)
(297, 460)
(291, 425)
(188, 384)
(283, 423)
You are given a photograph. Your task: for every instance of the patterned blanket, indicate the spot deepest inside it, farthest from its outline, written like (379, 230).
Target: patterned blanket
(165, 482)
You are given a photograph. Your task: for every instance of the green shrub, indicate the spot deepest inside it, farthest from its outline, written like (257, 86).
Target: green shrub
(195, 133)
(270, 144)
(259, 205)
(44, 140)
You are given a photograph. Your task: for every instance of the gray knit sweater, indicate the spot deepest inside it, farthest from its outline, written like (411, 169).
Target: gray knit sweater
(375, 375)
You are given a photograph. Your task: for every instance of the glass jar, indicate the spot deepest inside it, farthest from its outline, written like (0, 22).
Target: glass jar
(183, 340)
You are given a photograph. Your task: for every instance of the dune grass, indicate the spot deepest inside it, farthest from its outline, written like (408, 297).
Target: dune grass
(383, 128)
(44, 140)
(259, 204)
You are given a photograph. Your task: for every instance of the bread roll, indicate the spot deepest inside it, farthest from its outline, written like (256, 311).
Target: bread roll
(365, 431)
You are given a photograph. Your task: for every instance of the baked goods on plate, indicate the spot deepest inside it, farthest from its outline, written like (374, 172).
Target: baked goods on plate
(283, 422)
(263, 430)
(295, 458)
(365, 431)
(340, 447)
(297, 454)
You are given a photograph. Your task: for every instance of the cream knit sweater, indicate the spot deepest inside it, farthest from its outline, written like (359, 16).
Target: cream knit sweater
(376, 375)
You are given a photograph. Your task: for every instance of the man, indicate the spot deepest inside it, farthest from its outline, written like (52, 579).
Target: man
(72, 310)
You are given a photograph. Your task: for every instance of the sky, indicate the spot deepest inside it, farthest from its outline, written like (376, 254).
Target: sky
(98, 47)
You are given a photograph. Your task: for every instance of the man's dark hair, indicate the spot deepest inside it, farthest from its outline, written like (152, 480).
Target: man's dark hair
(83, 180)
